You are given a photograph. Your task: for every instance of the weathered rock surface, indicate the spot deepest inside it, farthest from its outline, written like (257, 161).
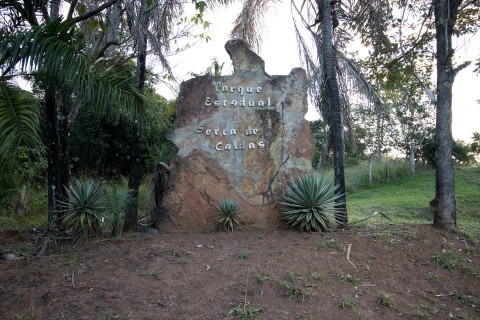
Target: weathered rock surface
(242, 136)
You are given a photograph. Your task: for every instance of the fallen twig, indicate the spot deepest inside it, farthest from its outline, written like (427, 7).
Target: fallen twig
(349, 248)
(371, 216)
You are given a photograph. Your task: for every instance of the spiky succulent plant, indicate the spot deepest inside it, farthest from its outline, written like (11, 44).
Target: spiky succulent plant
(228, 211)
(310, 203)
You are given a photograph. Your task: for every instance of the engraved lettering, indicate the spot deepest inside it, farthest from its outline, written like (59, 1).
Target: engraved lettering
(207, 102)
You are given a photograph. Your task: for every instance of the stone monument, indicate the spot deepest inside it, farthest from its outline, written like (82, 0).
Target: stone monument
(241, 136)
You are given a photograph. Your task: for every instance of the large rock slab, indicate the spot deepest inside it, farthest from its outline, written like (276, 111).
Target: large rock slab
(242, 136)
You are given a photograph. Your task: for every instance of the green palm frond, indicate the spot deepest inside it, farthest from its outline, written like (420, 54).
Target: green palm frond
(19, 119)
(53, 51)
(248, 24)
(117, 206)
(310, 203)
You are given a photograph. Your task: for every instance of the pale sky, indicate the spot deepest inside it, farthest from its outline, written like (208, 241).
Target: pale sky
(279, 50)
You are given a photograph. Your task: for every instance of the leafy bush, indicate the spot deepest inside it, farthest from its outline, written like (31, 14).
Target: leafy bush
(90, 210)
(8, 189)
(309, 204)
(228, 211)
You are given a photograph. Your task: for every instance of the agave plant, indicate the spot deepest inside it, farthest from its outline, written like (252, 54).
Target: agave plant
(310, 203)
(90, 209)
(84, 209)
(228, 211)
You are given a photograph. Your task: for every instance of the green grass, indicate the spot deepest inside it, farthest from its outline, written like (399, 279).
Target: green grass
(243, 310)
(407, 200)
(262, 278)
(351, 304)
(463, 298)
(243, 255)
(386, 301)
(327, 245)
(447, 260)
(346, 278)
(431, 277)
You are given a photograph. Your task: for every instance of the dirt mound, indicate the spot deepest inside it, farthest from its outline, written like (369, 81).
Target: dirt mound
(377, 272)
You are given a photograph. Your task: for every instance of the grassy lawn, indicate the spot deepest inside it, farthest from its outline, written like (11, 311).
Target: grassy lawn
(406, 200)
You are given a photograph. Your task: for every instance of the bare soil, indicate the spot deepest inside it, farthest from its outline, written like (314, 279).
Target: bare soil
(382, 271)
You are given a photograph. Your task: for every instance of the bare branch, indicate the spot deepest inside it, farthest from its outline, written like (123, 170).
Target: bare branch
(93, 12)
(461, 67)
(71, 9)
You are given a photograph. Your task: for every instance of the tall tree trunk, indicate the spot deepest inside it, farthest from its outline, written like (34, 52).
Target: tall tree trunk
(411, 158)
(380, 131)
(370, 168)
(445, 210)
(63, 157)
(135, 175)
(334, 95)
(53, 182)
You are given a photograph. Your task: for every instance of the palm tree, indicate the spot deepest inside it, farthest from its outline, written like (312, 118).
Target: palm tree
(53, 53)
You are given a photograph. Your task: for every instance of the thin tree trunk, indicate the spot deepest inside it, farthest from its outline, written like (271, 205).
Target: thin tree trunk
(445, 210)
(21, 206)
(370, 168)
(337, 121)
(52, 153)
(379, 136)
(63, 156)
(387, 169)
(355, 181)
(412, 159)
(135, 176)
(53, 180)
